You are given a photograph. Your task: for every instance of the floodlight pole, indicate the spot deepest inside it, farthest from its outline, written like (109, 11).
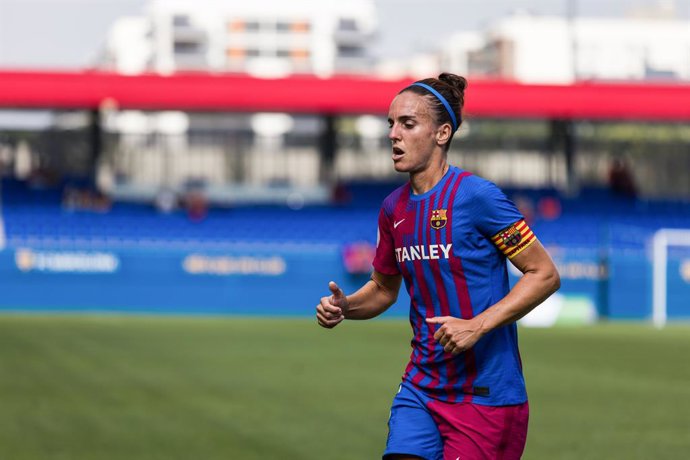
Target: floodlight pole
(328, 146)
(95, 141)
(564, 138)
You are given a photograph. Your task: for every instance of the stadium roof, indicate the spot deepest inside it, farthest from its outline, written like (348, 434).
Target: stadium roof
(336, 95)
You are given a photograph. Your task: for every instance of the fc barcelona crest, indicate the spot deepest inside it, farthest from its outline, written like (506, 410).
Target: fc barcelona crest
(438, 218)
(511, 237)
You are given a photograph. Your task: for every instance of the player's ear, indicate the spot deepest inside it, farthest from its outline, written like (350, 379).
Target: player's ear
(443, 134)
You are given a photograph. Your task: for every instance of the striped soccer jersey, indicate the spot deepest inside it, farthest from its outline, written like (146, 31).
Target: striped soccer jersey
(450, 244)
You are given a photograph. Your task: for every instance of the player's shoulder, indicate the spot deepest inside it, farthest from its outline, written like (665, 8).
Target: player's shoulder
(477, 187)
(390, 202)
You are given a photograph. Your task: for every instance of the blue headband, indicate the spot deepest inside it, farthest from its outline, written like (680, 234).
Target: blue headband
(443, 101)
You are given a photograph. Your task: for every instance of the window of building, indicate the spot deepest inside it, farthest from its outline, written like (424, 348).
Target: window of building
(236, 25)
(181, 20)
(299, 54)
(236, 53)
(252, 26)
(295, 27)
(347, 25)
(350, 51)
(300, 27)
(186, 47)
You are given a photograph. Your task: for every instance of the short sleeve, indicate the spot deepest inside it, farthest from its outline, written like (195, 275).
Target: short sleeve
(499, 220)
(384, 260)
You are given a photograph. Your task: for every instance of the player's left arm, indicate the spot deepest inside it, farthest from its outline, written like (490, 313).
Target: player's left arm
(540, 279)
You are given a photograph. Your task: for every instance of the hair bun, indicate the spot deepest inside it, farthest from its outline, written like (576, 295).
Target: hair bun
(455, 81)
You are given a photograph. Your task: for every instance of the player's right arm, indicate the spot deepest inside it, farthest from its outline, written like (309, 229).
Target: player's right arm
(369, 301)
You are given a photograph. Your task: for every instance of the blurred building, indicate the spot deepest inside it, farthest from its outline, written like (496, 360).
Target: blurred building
(549, 49)
(262, 37)
(150, 152)
(267, 157)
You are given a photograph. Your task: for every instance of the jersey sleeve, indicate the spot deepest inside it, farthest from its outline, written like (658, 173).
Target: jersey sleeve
(499, 220)
(384, 260)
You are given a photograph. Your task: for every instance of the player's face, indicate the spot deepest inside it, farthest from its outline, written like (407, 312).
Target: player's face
(413, 133)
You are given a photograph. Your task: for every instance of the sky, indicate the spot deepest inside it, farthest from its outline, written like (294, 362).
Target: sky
(58, 34)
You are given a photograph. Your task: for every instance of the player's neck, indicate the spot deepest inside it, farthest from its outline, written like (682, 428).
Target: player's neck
(423, 181)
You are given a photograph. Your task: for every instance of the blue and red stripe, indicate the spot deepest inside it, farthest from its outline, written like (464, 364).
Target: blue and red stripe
(427, 379)
(464, 301)
(447, 359)
(433, 365)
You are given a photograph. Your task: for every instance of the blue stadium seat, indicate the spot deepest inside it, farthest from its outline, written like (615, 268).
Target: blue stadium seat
(593, 219)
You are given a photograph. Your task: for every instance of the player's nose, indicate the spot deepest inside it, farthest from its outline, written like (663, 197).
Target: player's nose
(394, 132)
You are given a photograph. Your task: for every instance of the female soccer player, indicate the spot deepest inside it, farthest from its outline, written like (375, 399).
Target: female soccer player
(448, 233)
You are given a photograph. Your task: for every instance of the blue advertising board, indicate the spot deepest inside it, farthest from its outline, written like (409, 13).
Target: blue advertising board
(287, 280)
(247, 279)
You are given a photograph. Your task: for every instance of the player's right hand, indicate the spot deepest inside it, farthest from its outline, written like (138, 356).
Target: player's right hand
(332, 309)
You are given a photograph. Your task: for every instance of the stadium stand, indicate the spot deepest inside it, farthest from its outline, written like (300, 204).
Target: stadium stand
(596, 218)
(38, 218)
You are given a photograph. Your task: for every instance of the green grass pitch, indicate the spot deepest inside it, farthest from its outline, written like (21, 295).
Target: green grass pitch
(134, 387)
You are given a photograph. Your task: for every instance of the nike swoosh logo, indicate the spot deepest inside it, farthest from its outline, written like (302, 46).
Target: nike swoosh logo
(395, 225)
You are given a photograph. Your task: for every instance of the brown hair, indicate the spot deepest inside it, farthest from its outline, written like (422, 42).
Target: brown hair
(452, 88)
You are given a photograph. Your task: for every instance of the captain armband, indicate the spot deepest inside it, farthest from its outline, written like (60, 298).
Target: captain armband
(514, 239)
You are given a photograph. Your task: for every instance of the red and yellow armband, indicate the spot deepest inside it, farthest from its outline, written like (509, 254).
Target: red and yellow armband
(512, 240)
